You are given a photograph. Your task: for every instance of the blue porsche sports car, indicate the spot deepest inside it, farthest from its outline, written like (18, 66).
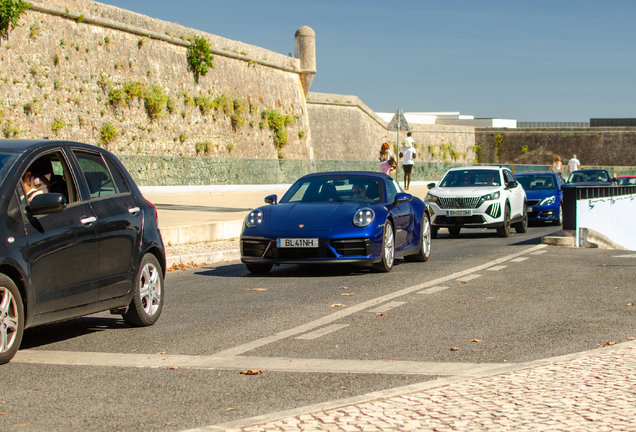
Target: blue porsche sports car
(338, 217)
(545, 196)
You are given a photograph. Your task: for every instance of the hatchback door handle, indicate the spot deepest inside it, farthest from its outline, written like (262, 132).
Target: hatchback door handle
(133, 210)
(88, 220)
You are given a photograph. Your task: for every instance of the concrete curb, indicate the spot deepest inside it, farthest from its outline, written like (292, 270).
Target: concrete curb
(212, 231)
(204, 258)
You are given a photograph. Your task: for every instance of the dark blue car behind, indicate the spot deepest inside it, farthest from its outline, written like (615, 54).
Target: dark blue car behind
(545, 196)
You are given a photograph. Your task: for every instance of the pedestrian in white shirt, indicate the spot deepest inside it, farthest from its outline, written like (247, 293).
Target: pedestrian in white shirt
(574, 164)
(408, 153)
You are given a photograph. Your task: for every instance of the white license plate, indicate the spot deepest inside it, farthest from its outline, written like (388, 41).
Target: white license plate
(528, 209)
(459, 212)
(297, 243)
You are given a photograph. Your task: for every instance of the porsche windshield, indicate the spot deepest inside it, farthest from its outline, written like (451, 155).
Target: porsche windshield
(471, 178)
(334, 189)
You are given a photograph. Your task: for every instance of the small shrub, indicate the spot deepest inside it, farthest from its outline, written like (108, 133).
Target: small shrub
(56, 60)
(278, 123)
(10, 13)
(155, 101)
(58, 124)
(237, 120)
(224, 104)
(32, 107)
(230, 146)
(10, 130)
(199, 57)
(203, 147)
(80, 18)
(204, 103)
(525, 149)
(107, 133)
(301, 134)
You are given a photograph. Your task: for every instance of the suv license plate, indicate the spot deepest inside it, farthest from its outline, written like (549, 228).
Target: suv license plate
(459, 212)
(297, 242)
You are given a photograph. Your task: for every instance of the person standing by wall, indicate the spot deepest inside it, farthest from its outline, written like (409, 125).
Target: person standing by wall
(408, 153)
(557, 166)
(384, 156)
(574, 164)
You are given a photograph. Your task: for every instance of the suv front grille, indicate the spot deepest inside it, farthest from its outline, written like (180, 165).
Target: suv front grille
(459, 203)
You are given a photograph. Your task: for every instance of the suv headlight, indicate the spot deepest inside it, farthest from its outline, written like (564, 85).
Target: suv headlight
(431, 198)
(547, 201)
(490, 197)
(254, 219)
(363, 217)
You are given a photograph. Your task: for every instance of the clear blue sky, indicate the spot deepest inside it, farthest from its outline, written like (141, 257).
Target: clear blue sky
(526, 60)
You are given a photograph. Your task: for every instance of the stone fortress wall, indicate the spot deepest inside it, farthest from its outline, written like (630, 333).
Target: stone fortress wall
(85, 71)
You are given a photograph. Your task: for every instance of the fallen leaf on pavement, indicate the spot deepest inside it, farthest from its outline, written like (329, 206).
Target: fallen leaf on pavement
(338, 305)
(630, 338)
(380, 314)
(251, 372)
(230, 409)
(182, 266)
(389, 361)
(365, 354)
(160, 353)
(343, 388)
(455, 349)
(463, 302)
(342, 287)
(630, 304)
(462, 282)
(257, 289)
(349, 294)
(174, 367)
(608, 344)
(475, 340)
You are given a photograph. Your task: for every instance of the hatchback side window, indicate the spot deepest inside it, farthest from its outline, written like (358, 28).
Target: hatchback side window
(100, 183)
(48, 174)
(120, 181)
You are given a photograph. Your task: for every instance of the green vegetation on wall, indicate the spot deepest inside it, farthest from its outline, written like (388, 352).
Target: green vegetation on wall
(199, 57)
(277, 123)
(10, 13)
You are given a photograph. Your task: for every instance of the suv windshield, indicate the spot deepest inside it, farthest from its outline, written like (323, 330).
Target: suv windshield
(471, 178)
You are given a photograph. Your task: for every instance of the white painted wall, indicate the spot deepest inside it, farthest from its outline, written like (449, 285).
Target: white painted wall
(612, 217)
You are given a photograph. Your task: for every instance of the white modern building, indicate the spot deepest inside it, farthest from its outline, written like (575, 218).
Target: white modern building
(452, 118)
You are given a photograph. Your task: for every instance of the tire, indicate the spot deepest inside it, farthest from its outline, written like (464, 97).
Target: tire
(11, 319)
(559, 220)
(504, 231)
(388, 250)
(522, 227)
(425, 242)
(454, 231)
(147, 302)
(259, 268)
(434, 232)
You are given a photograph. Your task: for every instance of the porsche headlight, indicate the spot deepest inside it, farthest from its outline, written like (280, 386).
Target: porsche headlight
(363, 217)
(547, 201)
(431, 198)
(254, 219)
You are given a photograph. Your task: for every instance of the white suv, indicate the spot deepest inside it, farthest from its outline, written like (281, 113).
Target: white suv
(478, 197)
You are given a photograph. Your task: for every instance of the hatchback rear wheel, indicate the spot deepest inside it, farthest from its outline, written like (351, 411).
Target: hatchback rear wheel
(147, 302)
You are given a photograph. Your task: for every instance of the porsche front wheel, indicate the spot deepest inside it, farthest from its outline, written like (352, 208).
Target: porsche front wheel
(388, 250)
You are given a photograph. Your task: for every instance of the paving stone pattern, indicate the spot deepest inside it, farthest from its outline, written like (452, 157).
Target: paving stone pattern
(593, 392)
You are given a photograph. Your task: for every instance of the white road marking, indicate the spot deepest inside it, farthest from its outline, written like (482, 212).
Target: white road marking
(518, 260)
(538, 252)
(316, 334)
(387, 306)
(468, 278)
(165, 361)
(624, 256)
(497, 268)
(433, 290)
(237, 350)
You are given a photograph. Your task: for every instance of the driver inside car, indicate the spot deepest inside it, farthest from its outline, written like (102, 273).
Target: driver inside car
(37, 178)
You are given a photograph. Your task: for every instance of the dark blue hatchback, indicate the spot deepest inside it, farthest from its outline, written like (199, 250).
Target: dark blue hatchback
(545, 197)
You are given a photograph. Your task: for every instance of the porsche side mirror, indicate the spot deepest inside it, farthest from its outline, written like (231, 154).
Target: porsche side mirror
(401, 198)
(47, 203)
(271, 199)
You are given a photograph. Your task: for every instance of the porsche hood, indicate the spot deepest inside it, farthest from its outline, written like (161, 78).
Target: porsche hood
(310, 216)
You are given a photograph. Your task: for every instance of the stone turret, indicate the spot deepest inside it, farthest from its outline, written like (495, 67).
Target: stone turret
(305, 50)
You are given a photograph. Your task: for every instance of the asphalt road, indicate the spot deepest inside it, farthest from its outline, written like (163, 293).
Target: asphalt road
(480, 302)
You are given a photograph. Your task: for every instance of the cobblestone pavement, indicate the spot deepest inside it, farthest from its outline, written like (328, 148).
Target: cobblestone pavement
(593, 391)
